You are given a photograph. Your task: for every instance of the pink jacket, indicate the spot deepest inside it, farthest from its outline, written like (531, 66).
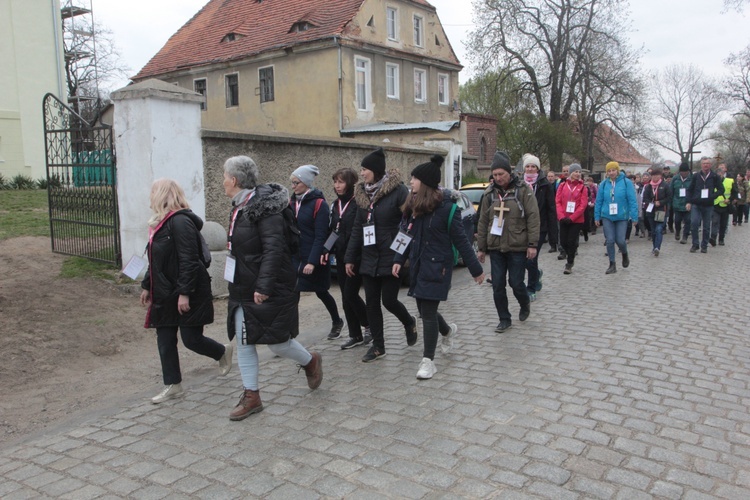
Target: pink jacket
(572, 191)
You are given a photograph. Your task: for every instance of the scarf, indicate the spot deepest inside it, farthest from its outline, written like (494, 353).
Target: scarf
(372, 189)
(655, 185)
(530, 179)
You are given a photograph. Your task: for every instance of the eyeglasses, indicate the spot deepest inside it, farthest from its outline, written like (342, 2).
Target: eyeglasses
(294, 183)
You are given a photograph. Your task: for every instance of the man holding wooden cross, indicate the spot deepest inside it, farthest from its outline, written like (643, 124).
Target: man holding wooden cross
(508, 230)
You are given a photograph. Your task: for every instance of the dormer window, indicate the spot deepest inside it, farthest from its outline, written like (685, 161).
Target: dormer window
(231, 37)
(300, 26)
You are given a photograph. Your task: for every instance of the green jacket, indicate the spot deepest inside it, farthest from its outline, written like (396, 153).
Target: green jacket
(743, 191)
(678, 202)
(520, 223)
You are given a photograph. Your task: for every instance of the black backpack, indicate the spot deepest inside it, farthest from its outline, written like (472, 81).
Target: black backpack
(291, 231)
(205, 252)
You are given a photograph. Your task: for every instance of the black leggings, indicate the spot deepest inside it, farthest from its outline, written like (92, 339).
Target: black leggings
(193, 339)
(383, 288)
(327, 299)
(432, 323)
(354, 306)
(569, 239)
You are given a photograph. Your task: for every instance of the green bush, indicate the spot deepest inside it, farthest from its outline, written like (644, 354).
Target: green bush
(472, 178)
(3, 182)
(41, 183)
(22, 182)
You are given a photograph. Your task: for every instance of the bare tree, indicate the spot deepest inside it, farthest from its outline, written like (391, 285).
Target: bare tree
(736, 5)
(543, 43)
(737, 85)
(685, 104)
(92, 63)
(732, 142)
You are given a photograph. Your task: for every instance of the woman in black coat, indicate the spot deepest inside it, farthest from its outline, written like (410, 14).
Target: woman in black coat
(343, 212)
(313, 215)
(263, 300)
(433, 220)
(379, 199)
(177, 287)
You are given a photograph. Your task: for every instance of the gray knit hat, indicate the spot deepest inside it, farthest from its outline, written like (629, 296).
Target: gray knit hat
(574, 167)
(306, 174)
(501, 160)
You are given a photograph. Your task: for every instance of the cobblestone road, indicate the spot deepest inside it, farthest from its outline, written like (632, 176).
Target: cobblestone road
(630, 386)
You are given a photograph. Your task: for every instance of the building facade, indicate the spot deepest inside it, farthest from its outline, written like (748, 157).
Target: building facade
(31, 65)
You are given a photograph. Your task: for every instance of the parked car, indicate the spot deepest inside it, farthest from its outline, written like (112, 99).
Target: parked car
(474, 192)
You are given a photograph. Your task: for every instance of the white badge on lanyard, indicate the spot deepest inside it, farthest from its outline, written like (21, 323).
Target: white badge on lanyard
(401, 242)
(650, 207)
(704, 193)
(134, 267)
(683, 192)
(229, 269)
(497, 226)
(613, 209)
(571, 207)
(368, 234)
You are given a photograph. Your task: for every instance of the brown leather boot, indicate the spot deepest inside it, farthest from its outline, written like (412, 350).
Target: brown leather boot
(249, 403)
(314, 371)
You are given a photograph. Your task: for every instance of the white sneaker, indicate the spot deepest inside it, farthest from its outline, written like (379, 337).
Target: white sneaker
(426, 369)
(225, 363)
(447, 343)
(169, 392)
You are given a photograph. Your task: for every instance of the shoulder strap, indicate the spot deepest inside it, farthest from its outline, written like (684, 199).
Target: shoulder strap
(450, 218)
(318, 203)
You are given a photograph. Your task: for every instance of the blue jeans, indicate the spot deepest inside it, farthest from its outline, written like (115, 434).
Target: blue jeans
(614, 232)
(532, 265)
(512, 264)
(657, 230)
(700, 215)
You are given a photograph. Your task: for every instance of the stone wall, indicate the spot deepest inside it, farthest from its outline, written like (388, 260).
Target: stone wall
(278, 156)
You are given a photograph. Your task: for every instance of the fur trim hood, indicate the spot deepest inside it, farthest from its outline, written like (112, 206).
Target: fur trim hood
(269, 199)
(360, 196)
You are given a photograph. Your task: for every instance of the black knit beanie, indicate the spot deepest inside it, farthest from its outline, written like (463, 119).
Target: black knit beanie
(501, 160)
(375, 162)
(429, 173)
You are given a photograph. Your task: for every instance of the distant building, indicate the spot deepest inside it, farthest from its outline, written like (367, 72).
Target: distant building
(325, 68)
(611, 146)
(479, 136)
(31, 65)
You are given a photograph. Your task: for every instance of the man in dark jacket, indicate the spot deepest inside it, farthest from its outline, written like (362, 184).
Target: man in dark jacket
(509, 232)
(545, 199)
(680, 184)
(703, 190)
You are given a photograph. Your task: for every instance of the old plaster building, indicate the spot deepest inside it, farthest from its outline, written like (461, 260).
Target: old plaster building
(325, 68)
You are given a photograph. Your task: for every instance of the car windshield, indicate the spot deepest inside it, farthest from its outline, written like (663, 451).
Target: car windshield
(475, 195)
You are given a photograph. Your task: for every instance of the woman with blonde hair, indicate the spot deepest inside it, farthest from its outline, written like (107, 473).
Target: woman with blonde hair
(177, 287)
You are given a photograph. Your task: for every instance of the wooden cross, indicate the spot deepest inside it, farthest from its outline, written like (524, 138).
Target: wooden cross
(499, 212)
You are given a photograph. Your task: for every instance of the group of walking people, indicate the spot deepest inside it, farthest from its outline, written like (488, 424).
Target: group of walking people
(279, 245)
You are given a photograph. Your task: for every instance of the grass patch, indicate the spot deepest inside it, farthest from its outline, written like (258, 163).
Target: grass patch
(23, 213)
(78, 267)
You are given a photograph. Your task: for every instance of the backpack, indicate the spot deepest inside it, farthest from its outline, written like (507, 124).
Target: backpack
(291, 231)
(205, 252)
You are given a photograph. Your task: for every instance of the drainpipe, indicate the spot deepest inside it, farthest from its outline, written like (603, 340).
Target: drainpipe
(337, 41)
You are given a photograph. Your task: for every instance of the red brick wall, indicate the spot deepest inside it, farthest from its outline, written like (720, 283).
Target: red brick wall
(480, 127)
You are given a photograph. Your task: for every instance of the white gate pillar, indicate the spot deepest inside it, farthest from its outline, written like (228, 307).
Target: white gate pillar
(157, 129)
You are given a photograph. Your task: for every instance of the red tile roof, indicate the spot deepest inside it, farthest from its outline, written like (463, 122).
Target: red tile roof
(616, 148)
(259, 26)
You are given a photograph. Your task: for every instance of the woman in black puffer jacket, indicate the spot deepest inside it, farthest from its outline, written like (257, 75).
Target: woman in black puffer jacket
(177, 287)
(262, 297)
(379, 199)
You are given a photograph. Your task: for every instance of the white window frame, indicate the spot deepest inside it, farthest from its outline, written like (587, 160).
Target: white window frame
(273, 84)
(366, 73)
(418, 30)
(226, 89)
(446, 88)
(391, 24)
(396, 94)
(204, 104)
(422, 85)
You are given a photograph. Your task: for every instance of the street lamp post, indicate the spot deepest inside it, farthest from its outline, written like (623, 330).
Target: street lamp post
(691, 158)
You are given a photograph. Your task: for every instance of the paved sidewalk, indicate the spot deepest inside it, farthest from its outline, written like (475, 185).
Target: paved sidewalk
(609, 390)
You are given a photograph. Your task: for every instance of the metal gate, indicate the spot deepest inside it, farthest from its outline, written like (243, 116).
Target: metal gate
(81, 185)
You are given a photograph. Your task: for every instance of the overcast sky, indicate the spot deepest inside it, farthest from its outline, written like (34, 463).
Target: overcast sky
(670, 31)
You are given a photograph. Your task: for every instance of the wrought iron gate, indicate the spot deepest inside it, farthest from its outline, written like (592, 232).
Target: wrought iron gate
(81, 184)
